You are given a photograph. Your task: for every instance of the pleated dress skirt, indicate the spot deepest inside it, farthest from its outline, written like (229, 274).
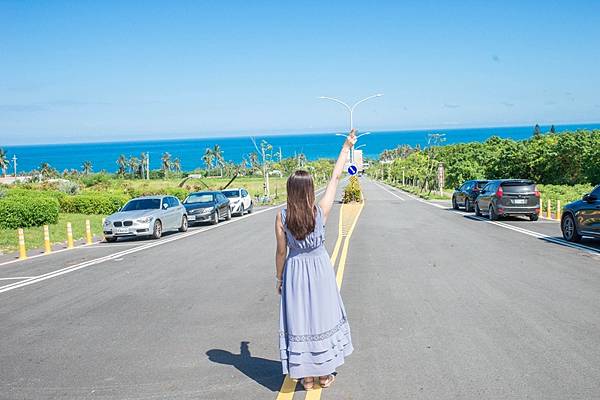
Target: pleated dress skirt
(314, 335)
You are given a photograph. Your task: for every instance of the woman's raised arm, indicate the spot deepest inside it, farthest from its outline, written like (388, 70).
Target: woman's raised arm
(327, 201)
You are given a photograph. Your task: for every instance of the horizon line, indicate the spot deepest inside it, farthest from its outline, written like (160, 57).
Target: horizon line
(296, 133)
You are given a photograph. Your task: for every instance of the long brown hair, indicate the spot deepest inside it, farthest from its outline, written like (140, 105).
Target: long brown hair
(300, 216)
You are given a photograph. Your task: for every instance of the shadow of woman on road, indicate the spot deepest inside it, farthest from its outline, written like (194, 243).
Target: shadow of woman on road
(265, 372)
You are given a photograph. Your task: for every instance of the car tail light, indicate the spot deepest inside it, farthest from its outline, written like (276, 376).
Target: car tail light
(537, 211)
(499, 192)
(537, 194)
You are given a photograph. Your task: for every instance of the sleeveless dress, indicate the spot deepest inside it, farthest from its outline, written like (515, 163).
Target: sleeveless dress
(314, 335)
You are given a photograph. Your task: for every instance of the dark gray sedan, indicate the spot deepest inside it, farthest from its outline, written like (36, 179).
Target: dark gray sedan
(207, 207)
(582, 217)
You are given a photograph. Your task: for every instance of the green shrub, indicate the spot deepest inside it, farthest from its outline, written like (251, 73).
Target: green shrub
(352, 191)
(33, 193)
(22, 212)
(92, 203)
(95, 179)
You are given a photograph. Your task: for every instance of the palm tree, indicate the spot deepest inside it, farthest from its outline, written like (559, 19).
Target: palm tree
(134, 164)
(166, 162)
(254, 164)
(218, 153)
(208, 158)
(46, 170)
(143, 164)
(122, 163)
(87, 167)
(177, 165)
(3, 161)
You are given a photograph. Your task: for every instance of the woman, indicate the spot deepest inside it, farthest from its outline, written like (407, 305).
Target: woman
(314, 336)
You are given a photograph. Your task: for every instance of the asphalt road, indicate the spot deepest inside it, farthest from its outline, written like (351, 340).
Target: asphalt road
(441, 305)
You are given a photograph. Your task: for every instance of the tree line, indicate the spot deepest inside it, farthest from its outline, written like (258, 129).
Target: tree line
(565, 158)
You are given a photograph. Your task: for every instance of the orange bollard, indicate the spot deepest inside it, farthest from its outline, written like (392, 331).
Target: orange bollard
(88, 232)
(47, 247)
(22, 250)
(69, 236)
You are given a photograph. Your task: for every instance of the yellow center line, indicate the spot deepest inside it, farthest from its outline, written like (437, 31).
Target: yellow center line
(338, 242)
(346, 225)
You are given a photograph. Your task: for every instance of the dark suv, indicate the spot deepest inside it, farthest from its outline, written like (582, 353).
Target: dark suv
(582, 217)
(505, 197)
(466, 194)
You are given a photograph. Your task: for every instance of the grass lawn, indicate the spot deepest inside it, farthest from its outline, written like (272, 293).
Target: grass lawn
(34, 237)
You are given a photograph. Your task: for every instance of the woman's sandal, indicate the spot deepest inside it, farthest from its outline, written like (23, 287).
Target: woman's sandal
(325, 383)
(308, 385)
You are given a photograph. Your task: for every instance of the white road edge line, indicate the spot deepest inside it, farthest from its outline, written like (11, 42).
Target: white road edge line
(389, 191)
(48, 254)
(17, 278)
(119, 254)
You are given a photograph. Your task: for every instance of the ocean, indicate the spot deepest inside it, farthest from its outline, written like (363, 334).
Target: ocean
(190, 151)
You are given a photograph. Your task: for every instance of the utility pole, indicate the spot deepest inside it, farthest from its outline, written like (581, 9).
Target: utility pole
(14, 160)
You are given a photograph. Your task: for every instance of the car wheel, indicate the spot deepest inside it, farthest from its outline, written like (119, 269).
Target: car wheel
(184, 224)
(454, 203)
(215, 219)
(242, 211)
(533, 217)
(492, 214)
(110, 239)
(477, 210)
(228, 216)
(467, 205)
(251, 207)
(157, 232)
(569, 229)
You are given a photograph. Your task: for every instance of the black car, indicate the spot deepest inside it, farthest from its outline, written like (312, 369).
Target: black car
(207, 206)
(582, 217)
(504, 197)
(465, 195)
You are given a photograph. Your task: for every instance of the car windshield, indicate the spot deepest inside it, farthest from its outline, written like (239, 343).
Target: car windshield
(142, 204)
(518, 187)
(231, 193)
(199, 198)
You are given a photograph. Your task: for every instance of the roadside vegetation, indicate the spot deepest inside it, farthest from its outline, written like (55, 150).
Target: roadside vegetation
(565, 165)
(55, 198)
(352, 192)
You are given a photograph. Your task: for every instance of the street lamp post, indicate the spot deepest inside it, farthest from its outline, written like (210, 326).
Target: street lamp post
(14, 160)
(350, 109)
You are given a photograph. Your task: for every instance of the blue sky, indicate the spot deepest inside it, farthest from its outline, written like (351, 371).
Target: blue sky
(102, 70)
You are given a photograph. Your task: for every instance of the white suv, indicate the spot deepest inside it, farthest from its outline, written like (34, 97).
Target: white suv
(240, 201)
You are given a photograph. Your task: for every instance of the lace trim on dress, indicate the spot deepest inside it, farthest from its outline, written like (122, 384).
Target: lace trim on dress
(316, 337)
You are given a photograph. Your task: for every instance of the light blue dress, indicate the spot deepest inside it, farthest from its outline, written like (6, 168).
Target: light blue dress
(314, 335)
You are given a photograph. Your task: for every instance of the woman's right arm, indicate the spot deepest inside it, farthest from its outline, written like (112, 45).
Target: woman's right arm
(281, 251)
(327, 201)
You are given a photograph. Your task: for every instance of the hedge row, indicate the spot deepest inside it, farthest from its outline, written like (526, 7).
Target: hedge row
(97, 203)
(23, 212)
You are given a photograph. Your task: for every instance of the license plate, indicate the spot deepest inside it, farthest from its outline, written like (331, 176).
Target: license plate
(191, 217)
(122, 230)
(519, 201)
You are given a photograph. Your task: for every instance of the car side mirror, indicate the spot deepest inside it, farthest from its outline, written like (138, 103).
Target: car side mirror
(165, 206)
(590, 198)
(482, 191)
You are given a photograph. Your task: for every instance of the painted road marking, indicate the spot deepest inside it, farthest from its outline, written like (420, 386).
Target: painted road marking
(354, 211)
(17, 278)
(389, 191)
